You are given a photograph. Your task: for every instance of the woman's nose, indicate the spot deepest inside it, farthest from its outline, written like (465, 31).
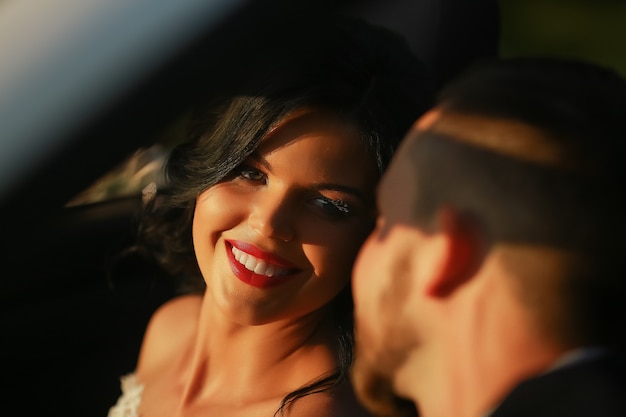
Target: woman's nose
(273, 217)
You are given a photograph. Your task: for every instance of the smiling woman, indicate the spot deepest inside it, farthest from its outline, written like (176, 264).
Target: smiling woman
(263, 211)
(294, 213)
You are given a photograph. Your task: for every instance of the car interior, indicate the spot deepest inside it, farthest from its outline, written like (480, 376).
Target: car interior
(85, 123)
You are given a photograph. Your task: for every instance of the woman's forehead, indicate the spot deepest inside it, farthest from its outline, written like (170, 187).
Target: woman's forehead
(307, 123)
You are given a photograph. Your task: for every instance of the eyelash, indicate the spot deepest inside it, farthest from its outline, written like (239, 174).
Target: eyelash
(336, 208)
(244, 172)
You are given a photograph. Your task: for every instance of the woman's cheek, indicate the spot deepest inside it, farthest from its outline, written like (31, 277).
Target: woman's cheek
(337, 258)
(216, 208)
(211, 218)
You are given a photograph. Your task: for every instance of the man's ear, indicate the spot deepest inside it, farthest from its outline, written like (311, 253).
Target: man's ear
(460, 251)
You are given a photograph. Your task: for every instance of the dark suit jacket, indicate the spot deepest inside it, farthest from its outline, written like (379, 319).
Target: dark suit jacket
(591, 388)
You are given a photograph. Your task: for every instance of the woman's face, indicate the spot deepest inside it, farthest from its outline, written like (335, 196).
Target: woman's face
(276, 238)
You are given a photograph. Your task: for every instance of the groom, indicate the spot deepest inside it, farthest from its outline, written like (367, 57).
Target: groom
(493, 284)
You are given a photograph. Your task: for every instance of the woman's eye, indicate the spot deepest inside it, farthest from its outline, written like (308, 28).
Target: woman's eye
(334, 208)
(250, 173)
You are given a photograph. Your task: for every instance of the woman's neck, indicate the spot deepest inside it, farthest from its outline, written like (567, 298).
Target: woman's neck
(242, 363)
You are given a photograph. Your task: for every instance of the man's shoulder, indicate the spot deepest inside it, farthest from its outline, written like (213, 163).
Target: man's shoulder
(590, 387)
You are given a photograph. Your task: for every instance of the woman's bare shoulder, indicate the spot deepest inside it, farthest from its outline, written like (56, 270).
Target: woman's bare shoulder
(169, 330)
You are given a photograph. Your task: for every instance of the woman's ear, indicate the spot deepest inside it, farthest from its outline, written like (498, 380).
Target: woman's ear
(459, 250)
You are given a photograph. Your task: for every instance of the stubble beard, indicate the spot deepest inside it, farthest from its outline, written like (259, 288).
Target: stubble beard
(372, 376)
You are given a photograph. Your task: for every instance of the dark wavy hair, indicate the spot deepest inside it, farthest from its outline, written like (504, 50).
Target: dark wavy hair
(364, 74)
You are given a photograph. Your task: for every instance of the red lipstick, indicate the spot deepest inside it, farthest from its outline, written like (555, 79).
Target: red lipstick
(287, 269)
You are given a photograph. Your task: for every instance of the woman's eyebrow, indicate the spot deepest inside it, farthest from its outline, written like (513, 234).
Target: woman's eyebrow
(323, 186)
(259, 159)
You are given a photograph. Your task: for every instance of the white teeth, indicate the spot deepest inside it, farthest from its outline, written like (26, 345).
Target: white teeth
(251, 263)
(260, 268)
(256, 265)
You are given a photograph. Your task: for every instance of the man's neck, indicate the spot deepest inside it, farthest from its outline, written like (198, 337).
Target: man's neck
(467, 376)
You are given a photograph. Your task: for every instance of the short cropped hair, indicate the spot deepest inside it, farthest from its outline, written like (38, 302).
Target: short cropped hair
(573, 200)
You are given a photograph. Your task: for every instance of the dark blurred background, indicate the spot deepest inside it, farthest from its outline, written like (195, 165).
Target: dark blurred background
(594, 30)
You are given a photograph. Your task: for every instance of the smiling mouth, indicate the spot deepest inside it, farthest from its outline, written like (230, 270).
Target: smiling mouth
(256, 265)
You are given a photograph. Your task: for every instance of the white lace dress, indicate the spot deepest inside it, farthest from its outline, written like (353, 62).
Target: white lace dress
(128, 403)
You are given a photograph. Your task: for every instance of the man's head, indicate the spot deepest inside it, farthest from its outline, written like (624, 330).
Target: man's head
(503, 203)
